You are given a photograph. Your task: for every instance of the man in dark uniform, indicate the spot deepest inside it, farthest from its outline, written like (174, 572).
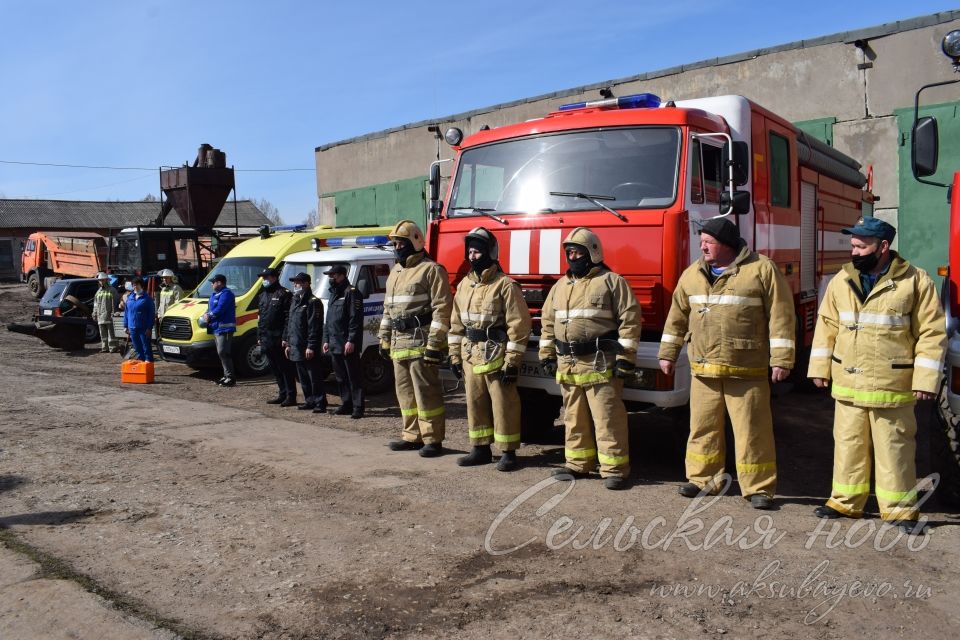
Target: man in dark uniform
(343, 340)
(301, 342)
(274, 306)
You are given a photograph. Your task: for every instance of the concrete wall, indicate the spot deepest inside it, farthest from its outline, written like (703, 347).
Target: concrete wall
(859, 78)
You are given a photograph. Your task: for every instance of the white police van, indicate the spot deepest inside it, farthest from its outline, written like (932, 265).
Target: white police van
(368, 260)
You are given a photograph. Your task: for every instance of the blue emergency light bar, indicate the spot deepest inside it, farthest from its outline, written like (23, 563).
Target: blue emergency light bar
(634, 101)
(288, 227)
(350, 241)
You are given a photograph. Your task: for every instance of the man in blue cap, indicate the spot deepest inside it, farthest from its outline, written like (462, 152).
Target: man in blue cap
(880, 339)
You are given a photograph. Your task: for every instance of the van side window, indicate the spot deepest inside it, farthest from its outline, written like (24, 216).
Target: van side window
(381, 272)
(779, 171)
(365, 281)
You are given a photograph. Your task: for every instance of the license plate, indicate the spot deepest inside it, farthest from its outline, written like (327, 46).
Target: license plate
(169, 348)
(48, 312)
(528, 369)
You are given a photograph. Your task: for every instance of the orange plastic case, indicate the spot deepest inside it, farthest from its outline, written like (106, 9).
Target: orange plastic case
(136, 372)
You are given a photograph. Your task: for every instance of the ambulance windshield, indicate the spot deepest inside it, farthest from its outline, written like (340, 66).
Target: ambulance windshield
(636, 167)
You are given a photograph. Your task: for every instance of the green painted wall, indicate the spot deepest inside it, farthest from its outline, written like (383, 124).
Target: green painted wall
(821, 129)
(923, 216)
(382, 204)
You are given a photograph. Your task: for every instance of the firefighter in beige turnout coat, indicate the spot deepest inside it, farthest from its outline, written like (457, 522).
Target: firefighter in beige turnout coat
(734, 309)
(413, 331)
(591, 321)
(880, 339)
(489, 330)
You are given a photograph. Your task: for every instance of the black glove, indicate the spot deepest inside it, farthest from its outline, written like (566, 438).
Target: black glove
(432, 356)
(549, 366)
(457, 369)
(508, 375)
(625, 369)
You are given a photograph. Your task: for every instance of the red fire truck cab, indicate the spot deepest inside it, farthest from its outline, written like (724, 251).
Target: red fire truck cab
(645, 176)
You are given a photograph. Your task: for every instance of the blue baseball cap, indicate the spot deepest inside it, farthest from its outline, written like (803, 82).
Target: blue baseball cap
(872, 227)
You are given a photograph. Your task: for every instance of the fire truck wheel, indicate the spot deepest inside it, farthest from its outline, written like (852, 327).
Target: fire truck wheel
(539, 412)
(376, 371)
(945, 449)
(35, 284)
(248, 359)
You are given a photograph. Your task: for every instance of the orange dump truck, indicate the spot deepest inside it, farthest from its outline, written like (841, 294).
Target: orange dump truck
(49, 255)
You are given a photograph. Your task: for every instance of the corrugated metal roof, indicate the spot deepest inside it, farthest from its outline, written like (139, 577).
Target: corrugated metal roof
(868, 33)
(76, 214)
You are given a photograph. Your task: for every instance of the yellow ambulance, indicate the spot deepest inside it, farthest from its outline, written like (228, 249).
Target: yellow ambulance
(183, 340)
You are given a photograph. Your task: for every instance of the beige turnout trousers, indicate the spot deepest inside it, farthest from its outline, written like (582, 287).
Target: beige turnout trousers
(493, 410)
(891, 434)
(596, 428)
(747, 400)
(420, 397)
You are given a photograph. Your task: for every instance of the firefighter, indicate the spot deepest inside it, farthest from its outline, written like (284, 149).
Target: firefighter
(104, 304)
(591, 320)
(880, 339)
(170, 293)
(343, 340)
(301, 342)
(273, 308)
(735, 309)
(413, 333)
(489, 329)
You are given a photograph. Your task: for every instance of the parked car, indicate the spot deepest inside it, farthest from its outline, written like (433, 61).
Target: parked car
(72, 298)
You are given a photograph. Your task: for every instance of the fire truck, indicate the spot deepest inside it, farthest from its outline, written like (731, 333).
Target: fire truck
(645, 175)
(925, 140)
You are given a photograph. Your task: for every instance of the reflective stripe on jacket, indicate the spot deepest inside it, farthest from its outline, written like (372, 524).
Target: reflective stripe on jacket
(104, 304)
(490, 301)
(169, 296)
(880, 348)
(421, 288)
(737, 327)
(582, 310)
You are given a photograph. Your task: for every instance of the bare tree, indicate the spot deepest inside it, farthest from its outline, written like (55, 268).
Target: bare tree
(312, 218)
(150, 198)
(268, 209)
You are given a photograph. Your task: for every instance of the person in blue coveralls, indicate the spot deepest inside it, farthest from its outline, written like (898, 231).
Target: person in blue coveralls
(138, 314)
(221, 319)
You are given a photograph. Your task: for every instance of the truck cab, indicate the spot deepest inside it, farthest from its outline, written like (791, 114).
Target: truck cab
(645, 175)
(146, 250)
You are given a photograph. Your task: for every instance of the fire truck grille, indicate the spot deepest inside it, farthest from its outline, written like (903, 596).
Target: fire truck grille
(176, 329)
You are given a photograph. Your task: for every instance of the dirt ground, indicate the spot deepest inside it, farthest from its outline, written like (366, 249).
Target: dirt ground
(206, 513)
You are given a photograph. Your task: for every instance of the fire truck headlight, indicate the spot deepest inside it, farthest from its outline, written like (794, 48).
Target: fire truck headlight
(951, 44)
(453, 136)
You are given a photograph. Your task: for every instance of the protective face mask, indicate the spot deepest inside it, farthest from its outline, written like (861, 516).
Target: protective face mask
(297, 288)
(480, 264)
(579, 266)
(866, 262)
(403, 252)
(128, 286)
(265, 284)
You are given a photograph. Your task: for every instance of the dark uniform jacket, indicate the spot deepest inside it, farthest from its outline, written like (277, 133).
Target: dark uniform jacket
(274, 305)
(344, 321)
(304, 325)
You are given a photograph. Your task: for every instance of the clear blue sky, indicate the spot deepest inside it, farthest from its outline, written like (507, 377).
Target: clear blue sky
(143, 83)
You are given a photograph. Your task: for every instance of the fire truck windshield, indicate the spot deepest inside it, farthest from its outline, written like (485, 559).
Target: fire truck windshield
(636, 167)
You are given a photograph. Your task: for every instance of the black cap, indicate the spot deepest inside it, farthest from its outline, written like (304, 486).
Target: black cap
(301, 277)
(335, 269)
(219, 278)
(269, 271)
(723, 230)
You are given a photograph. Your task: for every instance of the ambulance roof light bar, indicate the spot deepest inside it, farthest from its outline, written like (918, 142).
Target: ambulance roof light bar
(266, 230)
(633, 101)
(351, 241)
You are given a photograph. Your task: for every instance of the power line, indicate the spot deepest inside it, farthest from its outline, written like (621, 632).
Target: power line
(109, 168)
(102, 186)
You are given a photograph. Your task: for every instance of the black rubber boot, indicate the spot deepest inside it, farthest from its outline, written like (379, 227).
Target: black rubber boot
(403, 445)
(826, 512)
(508, 461)
(760, 501)
(688, 490)
(344, 410)
(479, 455)
(566, 475)
(615, 483)
(431, 450)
